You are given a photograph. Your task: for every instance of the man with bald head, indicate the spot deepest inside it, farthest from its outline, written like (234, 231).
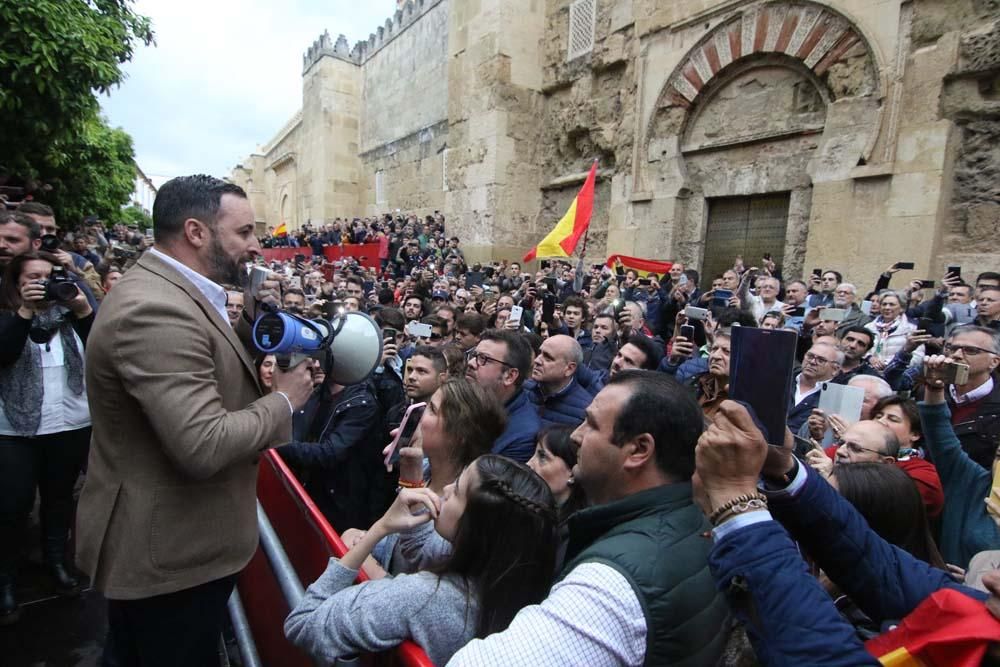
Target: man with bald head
(553, 386)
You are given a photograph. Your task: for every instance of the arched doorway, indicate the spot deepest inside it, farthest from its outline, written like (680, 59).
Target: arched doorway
(775, 99)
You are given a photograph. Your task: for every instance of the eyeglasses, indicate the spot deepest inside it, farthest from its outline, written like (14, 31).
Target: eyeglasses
(966, 350)
(855, 448)
(483, 359)
(815, 359)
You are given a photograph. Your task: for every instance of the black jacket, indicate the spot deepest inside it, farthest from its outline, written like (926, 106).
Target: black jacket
(341, 464)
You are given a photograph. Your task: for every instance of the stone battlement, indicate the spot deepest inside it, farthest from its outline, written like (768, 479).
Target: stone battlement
(410, 12)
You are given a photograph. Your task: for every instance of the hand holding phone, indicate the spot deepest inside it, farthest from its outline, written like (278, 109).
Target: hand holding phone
(411, 419)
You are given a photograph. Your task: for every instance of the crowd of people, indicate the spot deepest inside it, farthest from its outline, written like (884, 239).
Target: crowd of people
(576, 449)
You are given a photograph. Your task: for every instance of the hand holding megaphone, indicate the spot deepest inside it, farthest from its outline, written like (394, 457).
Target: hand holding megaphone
(296, 383)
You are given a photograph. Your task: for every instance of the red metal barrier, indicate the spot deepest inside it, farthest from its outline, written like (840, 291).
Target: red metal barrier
(309, 541)
(366, 253)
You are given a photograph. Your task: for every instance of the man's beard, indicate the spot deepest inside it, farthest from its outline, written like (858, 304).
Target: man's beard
(225, 270)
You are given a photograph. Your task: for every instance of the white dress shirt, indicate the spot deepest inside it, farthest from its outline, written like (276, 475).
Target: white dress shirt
(982, 391)
(62, 410)
(592, 617)
(213, 291)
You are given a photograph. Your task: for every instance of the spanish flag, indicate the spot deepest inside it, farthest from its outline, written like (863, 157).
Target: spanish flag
(561, 241)
(282, 230)
(948, 629)
(641, 266)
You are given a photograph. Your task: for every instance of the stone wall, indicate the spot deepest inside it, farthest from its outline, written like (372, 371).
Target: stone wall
(405, 81)
(412, 168)
(971, 98)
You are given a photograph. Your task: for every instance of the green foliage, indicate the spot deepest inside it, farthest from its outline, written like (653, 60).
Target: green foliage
(54, 56)
(134, 214)
(98, 176)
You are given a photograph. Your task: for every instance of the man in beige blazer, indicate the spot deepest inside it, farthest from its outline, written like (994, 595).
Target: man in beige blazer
(167, 517)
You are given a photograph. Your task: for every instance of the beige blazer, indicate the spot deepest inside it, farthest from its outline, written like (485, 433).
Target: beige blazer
(178, 426)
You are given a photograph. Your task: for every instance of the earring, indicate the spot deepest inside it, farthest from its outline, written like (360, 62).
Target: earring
(570, 481)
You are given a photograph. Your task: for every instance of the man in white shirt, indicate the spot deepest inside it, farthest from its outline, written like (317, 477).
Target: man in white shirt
(637, 570)
(820, 364)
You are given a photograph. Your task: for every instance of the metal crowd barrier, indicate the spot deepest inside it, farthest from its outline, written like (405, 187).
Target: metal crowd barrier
(296, 545)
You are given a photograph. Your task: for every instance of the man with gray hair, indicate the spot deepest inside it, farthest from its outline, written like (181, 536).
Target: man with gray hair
(845, 296)
(975, 404)
(553, 386)
(766, 299)
(875, 389)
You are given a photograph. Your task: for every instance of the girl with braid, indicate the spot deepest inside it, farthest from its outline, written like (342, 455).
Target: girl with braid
(500, 519)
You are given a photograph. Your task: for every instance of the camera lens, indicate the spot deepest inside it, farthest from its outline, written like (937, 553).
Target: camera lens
(61, 291)
(50, 242)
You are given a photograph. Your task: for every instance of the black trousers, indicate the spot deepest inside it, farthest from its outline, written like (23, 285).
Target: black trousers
(50, 463)
(174, 630)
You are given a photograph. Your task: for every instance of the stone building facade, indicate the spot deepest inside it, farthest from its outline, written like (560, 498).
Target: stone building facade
(847, 133)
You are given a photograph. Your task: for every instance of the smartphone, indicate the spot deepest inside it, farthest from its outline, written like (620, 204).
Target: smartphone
(645, 282)
(905, 266)
(384, 284)
(834, 314)
(798, 312)
(550, 284)
(683, 280)
(515, 314)
(473, 279)
(866, 307)
(548, 307)
(419, 329)
(722, 297)
(955, 271)
(762, 364)
(953, 372)
(818, 273)
(687, 331)
(843, 401)
(926, 284)
(296, 282)
(389, 335)
(411, 419)
(695, 313)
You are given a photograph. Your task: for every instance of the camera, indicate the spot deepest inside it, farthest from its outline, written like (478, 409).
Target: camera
(60, 288)
(50, 243)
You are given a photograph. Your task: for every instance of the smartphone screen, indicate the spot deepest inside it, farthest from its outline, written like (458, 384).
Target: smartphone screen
(762, 365)
(955, 271)
(687, 331)
(722, 297)
(473, 279)
(406, 430)
(906, 266)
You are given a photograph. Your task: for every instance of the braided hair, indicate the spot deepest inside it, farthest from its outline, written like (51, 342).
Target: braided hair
(505, 543)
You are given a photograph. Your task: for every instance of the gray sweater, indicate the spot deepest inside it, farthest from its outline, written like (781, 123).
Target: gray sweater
(336, 619)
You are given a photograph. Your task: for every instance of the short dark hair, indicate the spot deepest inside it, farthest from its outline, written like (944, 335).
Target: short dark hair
(518, 351)
(650, 348)
(474, 323)
(577, 302)
(907, 406)
(692, 275)
(988, 275)
(184, 197)
(390, 317)
(356, 280)
(840, 276)
(434, 354)
(18, 218)
(665, 409)
(863, 331)
(36, 208)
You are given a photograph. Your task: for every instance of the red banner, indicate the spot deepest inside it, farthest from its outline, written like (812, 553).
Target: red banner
(365, 253)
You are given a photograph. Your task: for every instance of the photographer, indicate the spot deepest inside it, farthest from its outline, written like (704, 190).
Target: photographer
(45, 422)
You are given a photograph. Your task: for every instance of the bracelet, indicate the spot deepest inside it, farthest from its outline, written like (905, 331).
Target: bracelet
(411, 485)
(738, 505)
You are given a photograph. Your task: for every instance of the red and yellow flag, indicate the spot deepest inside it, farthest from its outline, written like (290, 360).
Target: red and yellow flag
(948, 629)
(641, 266)
(561, 241)
(282, 230)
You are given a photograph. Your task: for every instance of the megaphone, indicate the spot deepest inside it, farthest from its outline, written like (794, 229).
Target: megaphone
(349, 345)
